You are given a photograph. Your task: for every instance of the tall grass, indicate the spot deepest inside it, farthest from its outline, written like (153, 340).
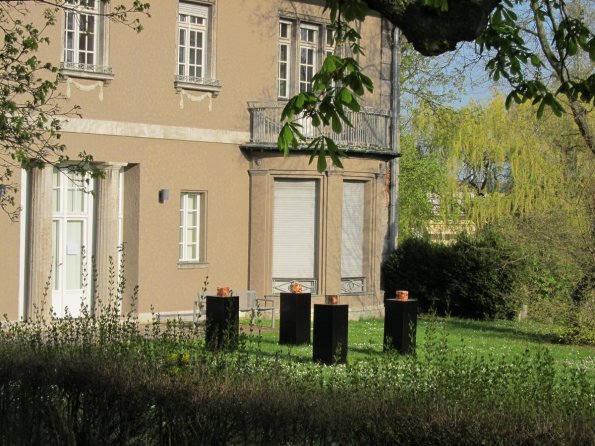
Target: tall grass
(108, 380)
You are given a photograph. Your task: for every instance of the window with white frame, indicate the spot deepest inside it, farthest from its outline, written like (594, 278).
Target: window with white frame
(308, 65)
(285, 30)
(84, 38)
(191, 246)
(72, 237)
(301, 49)
(195, 68)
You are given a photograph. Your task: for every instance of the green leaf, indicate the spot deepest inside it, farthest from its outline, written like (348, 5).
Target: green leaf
(321, 166)
(313, 147)
(329, 65)
(556, 107)
(508, 101)
(540, 109)
(285, 138)
(354, 105)
(535, 60)
(346, 96)
(316, 120)
(336, 123)
(572, 47)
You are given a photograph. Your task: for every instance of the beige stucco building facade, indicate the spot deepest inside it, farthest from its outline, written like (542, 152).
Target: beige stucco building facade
(183, 119)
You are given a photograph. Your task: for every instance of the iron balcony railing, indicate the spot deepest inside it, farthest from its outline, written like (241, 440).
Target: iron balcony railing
(370, 131)
(89, 68)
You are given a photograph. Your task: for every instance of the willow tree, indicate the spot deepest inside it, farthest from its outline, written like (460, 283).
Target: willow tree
(506, 164)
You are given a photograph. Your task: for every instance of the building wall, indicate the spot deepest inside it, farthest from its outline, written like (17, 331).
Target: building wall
(9, 262)
(190, 141)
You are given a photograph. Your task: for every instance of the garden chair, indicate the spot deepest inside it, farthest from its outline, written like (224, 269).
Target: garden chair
(250, 302)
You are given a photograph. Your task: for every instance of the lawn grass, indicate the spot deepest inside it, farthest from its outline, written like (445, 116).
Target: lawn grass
(500, 338)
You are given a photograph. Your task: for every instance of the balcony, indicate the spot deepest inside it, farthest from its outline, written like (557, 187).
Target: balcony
(370, 133)
(87, 71)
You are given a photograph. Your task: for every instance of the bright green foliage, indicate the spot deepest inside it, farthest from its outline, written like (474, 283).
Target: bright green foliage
(530, 180)
(504, 164)
(422, 176)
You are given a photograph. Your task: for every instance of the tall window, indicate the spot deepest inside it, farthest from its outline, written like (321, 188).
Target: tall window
(83, 36)
(191, 247)
(72, 235)
(295, 228)
(301, 48)
(284, 59)
(195, 59)
(192, 40)
(308, 56)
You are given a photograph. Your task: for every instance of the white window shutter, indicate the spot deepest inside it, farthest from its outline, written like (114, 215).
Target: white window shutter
(352, 241)
(294, 229)
(194, 10)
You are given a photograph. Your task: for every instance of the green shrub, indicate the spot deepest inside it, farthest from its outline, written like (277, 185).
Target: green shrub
(80, 397)
(475, 277)
(483, 277)
(421, 267)
(580, 328)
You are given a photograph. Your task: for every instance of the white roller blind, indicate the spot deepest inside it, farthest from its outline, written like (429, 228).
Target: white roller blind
(294, 229)
(194, 10)
(352, 241)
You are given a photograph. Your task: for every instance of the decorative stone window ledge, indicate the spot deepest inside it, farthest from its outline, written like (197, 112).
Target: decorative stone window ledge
(86, 71)
(192, 265)
(197, 84)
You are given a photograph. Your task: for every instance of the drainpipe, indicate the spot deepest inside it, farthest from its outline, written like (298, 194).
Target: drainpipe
(395, 139)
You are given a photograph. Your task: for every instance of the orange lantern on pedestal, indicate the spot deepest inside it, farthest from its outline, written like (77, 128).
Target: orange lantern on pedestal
(295, 288)
(402, 295)
(332, 299)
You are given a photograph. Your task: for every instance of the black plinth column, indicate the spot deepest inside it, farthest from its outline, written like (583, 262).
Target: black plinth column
(400, 325)
(330, 333)
(222, 322)
(294, 323)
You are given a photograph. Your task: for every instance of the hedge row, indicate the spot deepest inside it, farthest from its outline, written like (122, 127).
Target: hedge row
(474, 277)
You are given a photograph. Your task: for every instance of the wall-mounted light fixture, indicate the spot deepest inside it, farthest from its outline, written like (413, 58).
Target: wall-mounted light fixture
(163, 195)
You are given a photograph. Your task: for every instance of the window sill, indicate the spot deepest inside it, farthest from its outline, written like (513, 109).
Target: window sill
(192, 265)
(86, 71)
(198, 84)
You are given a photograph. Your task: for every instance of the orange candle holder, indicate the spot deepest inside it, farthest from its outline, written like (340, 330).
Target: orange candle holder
(402, 295)
(332, 299)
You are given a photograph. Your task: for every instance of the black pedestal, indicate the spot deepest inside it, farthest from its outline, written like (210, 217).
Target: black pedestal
(400, 325)
(330, 333)
(294, 323)
(222, 322)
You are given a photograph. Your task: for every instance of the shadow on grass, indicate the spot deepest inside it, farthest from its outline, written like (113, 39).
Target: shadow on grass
(268, 346)
(489, 330)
